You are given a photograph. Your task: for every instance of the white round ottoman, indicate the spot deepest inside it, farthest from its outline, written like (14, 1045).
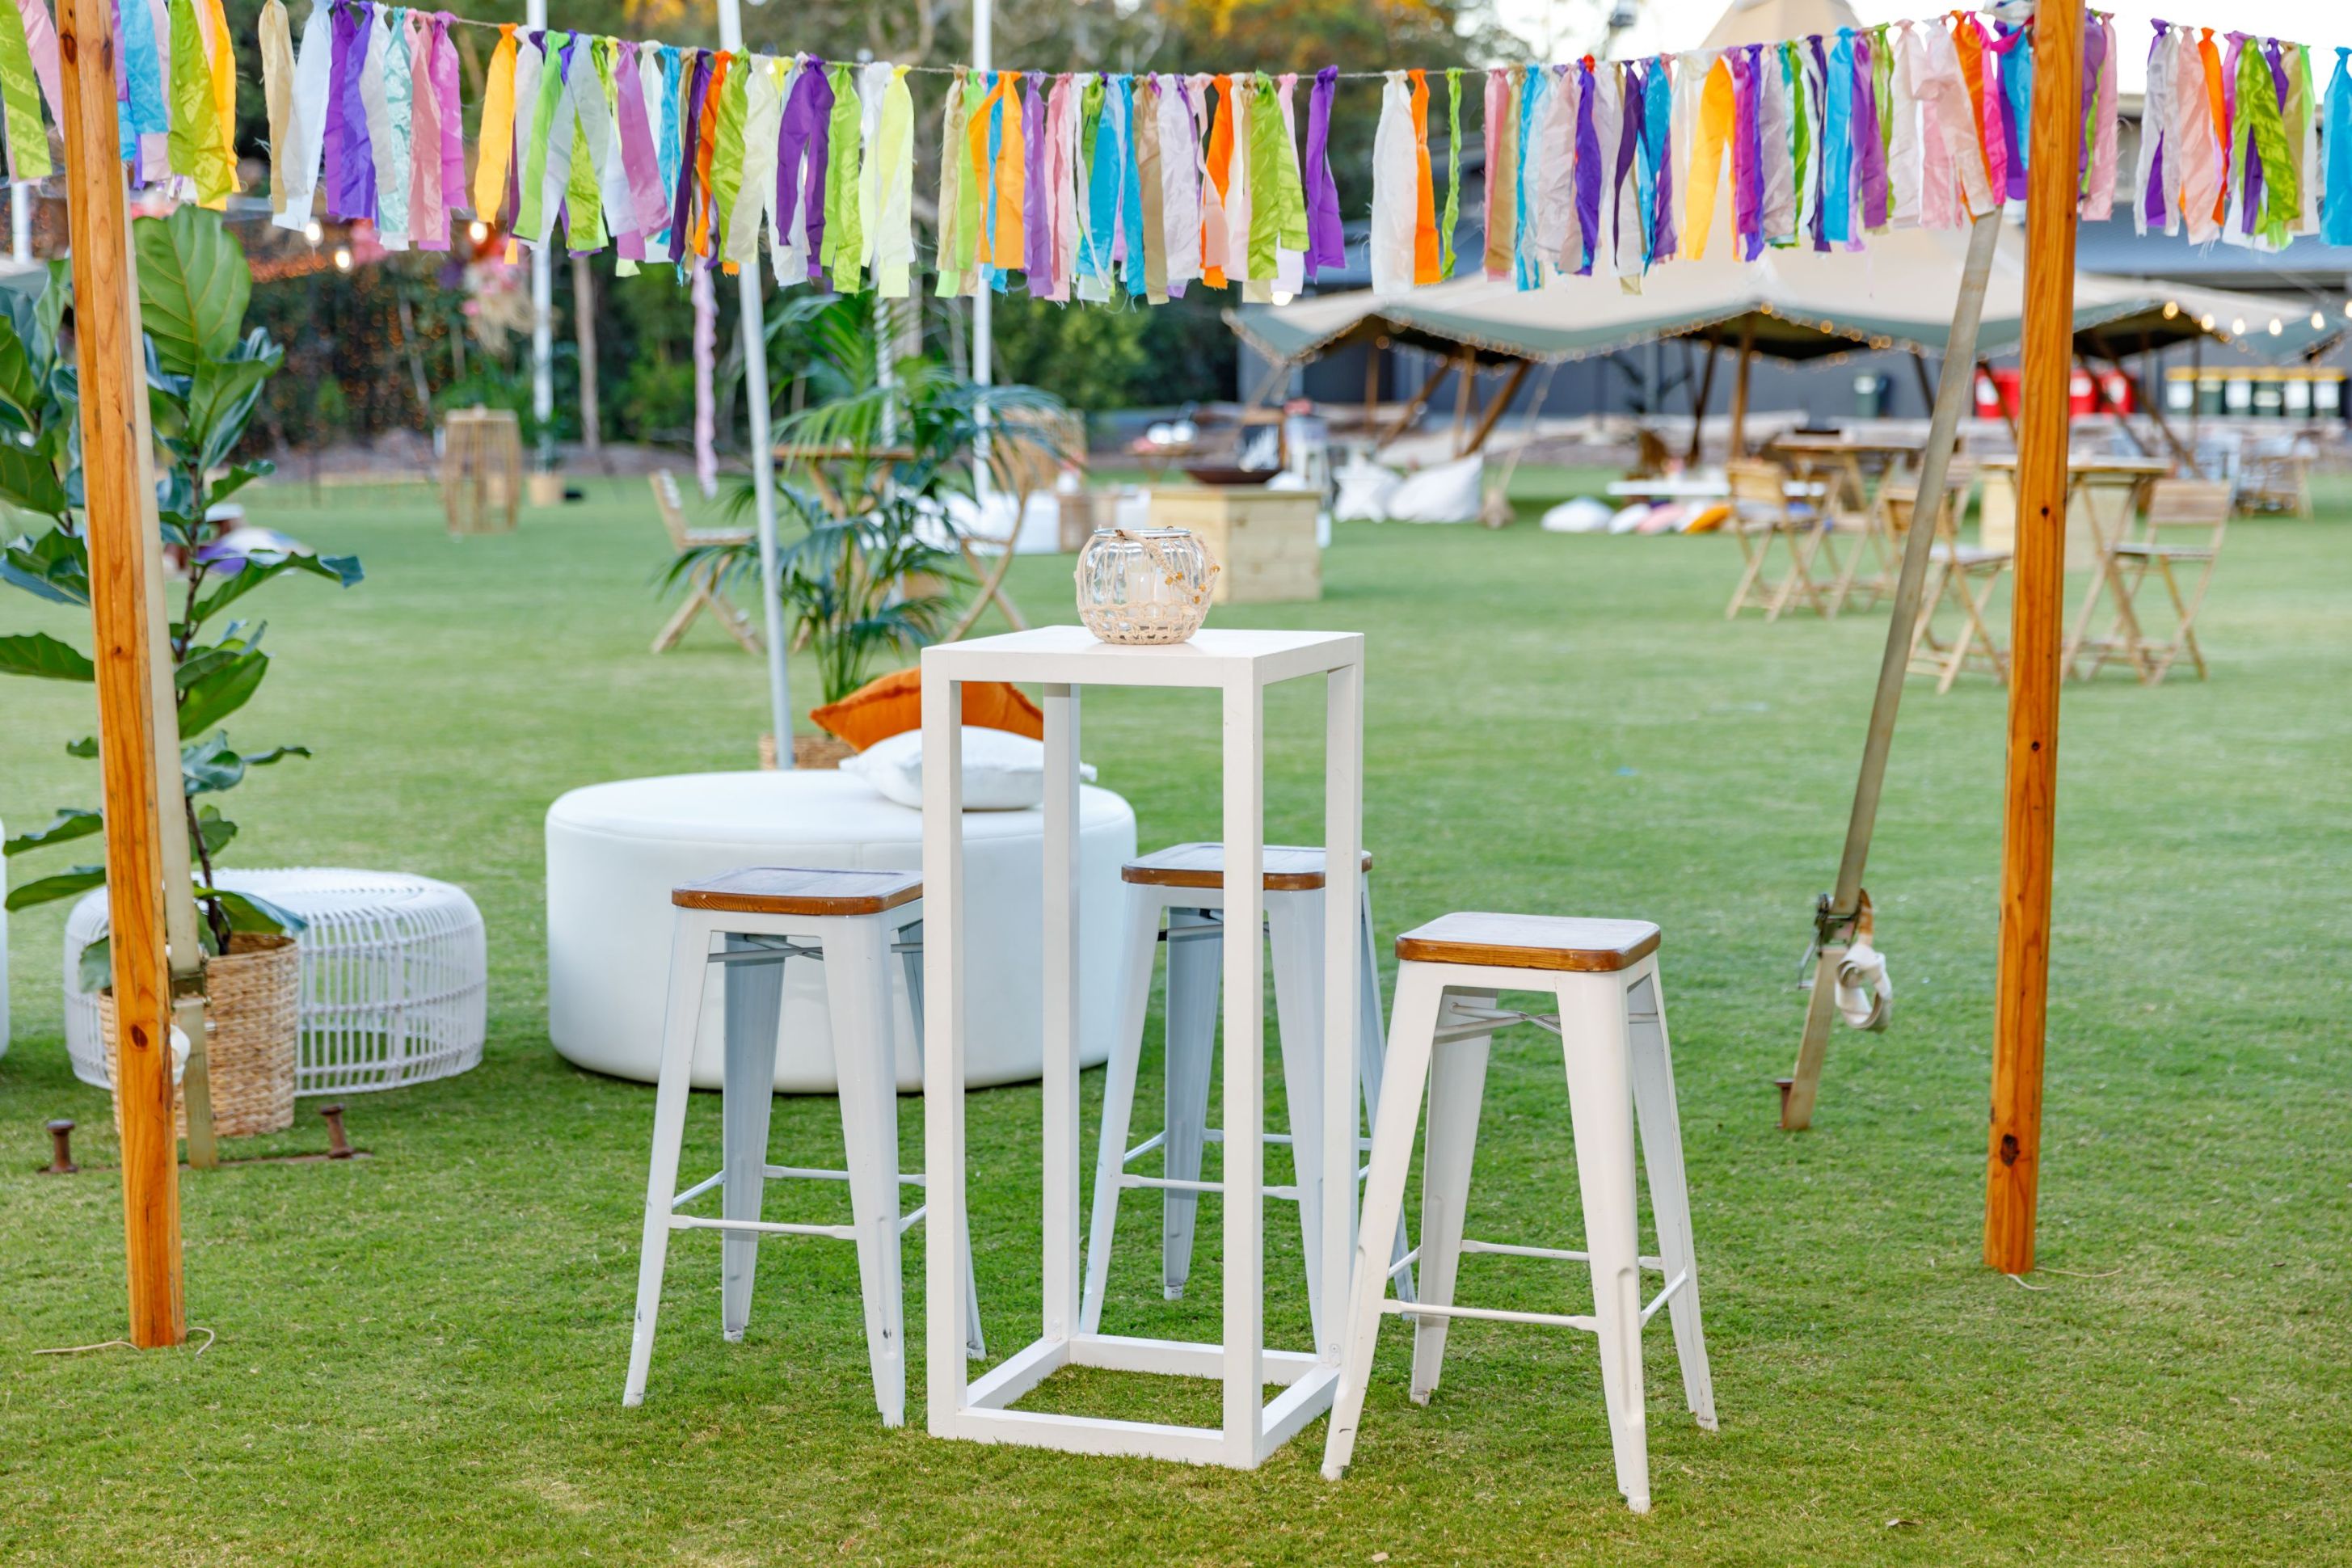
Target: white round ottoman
(614, 851)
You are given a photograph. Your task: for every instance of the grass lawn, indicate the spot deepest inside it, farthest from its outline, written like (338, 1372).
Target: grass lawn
(418, 1357)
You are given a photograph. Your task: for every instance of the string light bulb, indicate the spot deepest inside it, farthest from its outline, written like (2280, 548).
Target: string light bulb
(2276, 328)
(1283, 295)
(2171, 308)
(2318, 321)
(2238, 327)
(313, 232)
(342, 259)
(478, 231)
(2206, 321)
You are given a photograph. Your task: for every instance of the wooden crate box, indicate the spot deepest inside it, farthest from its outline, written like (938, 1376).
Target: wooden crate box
(1264, 540)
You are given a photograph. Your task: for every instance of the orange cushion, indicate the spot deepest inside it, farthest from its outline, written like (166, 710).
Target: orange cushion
(893, 704)
(1710, 519)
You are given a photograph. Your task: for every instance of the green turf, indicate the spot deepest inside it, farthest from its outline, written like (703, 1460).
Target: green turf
(419, 1356)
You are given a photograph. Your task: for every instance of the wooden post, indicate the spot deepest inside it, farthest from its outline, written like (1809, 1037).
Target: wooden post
(1699, 403)
(1739, 390)
(1372, 348)
(1495, 410)
(117, 471)
(1412, 410)
(1464, 389)
(2022, 993)
(583, 328)
(1835, 921)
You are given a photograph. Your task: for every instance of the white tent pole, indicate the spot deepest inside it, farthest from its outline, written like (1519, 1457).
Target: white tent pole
(20, 222)
(542, 310)
(984, 326)
(754, 337)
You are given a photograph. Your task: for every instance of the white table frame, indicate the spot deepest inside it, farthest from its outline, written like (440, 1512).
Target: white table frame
(1239, 665)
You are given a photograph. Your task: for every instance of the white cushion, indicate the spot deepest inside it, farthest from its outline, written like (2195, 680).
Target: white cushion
(1001, 770)
(1582, 515)
(1448, 492)
(1364, 491)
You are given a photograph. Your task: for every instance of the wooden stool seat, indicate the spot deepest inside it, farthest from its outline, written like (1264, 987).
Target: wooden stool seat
(794, 890)
(1559, 943)
(1289, 869)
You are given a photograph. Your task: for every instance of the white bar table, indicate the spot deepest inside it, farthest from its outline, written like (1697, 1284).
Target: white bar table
(1240, 665)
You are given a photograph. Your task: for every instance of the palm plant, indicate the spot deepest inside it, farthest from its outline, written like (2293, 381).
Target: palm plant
(872, 460)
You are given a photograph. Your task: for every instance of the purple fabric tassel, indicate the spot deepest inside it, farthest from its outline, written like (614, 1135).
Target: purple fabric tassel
(1327, 243)
(795, 136)
(689, 134)
(1748, 151)
(2095, 56)
(2152, 205)
(1818, 174)
(1871, 165)
(820, 153)
(1628, 135)
(1587, 171)
(351, 187)
(1036, 218)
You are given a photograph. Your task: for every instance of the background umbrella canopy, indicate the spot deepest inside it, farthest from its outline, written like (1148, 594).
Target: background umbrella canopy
(1796, 304)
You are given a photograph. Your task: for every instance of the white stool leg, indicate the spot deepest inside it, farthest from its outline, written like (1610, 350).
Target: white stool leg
(1592, 1019)
(857, 994)
(689, 953)
(910, 939)
(1195, 973)
(1457, 1086)
(1419, 991)
(1372, 1047)
(1294, 926)
(1118, 1098)
(754, 994)
(1662, 1155)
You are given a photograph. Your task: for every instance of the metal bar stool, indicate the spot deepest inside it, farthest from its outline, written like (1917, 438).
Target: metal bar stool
(1613, 1029)
(1185, 883)
(855, 922)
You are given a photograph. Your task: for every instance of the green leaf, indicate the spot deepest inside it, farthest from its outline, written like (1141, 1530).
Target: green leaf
(264, 759)
(240, 475)
(252, 912)
(20, 382)
(72, 822)
(28, 480)
(64, 884)
(209, 765)
(221, 691)
(39, 654)
(55, 567)
(85, 747)
(193, 286)
(95, 972)
(221, 399)
(215, 829)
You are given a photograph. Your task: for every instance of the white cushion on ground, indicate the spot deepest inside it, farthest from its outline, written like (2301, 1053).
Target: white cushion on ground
(1364, 491)
(614, 851)
(1582, 515)
(1001, 770)
(1449, 492)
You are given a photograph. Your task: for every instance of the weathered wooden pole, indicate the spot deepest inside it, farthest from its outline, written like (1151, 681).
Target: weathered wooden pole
(2021, 989)
(1834, 921)
(117, 471)
(1738, 449)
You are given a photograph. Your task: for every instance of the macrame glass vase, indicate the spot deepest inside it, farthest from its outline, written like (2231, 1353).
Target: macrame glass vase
(1145, 584)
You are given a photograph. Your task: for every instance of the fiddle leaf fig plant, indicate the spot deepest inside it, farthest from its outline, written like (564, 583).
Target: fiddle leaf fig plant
(204, 376)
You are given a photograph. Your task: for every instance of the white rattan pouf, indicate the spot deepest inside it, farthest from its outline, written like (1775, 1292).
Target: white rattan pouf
(394, 978)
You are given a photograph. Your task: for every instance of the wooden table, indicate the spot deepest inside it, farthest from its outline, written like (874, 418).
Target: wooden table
(1238, 666)
(1846, 471)
(2103, 495)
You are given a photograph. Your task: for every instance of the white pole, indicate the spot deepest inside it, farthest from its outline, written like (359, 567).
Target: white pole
(542, 311)
(754, 334)
(20, 223)
(983, 335)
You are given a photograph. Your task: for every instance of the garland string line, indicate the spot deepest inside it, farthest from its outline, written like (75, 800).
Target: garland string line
(1126, 187)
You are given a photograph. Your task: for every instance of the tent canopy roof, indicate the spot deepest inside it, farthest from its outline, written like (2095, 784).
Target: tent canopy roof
(1898, 293)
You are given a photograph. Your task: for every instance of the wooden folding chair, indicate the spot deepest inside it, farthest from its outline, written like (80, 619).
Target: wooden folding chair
(2275, 476)
(2199, 508)
(1965, 576)
(1761, 514)
(702, 590)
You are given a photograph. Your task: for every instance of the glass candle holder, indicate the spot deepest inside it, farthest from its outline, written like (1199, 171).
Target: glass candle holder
(1145, 584)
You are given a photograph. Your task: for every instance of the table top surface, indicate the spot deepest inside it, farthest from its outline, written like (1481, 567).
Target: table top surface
(2089, 464)
(1839, 446)
(1212, 657)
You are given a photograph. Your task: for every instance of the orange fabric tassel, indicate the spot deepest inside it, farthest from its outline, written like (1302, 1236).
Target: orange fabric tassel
(2216, 105)
(1970, 45)
(1011, 247)
(1221, 161)
(705, 140)
(1424, 210)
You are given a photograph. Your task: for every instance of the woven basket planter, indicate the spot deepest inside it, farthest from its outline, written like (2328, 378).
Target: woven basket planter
(253, 1023)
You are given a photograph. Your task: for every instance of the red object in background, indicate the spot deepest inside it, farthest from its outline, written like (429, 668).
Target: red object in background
(1998, 391)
